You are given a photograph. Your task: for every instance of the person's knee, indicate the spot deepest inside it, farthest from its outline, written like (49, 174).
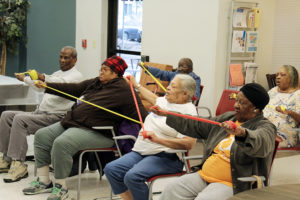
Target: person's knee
(40, 137)
(6, 114)
(130, 178)
(18, 121)
(59, 145)
(109, 169)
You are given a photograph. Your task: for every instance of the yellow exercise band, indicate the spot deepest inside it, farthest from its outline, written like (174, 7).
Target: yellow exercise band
(32, 73)
(92, 104)
(162, 87)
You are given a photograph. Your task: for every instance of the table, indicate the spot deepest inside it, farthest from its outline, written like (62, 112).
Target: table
(277, 192)
(15, 92)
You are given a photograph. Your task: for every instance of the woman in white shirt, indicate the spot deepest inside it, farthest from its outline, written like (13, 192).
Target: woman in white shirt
(151, 156)
(283, 109)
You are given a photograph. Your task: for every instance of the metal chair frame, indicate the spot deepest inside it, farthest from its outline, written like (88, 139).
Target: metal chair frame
(185, 158)
(95, 150)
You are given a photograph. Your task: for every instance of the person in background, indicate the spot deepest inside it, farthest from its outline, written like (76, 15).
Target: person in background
(16, 125)
(58, 143)
(283, 109)
(153, 155)
(185, 66)
(230, 151)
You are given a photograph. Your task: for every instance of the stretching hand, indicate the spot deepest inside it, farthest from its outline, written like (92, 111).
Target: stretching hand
(40, 84)
(157, 110)
(132, 79)
(234, 130)
(141, 64)
(282, 110)
(20, 76)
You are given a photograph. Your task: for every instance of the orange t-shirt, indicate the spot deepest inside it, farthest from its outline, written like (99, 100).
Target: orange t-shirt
(216, 168)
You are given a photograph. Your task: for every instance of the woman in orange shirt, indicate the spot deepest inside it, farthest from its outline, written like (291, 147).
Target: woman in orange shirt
(229, 152)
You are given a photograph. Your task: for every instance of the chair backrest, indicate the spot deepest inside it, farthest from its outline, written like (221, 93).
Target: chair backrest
(146, 78)
(226, 104)
(127, 128)
(273, 157)
(271, 78)
(146, 81)
(201, 90)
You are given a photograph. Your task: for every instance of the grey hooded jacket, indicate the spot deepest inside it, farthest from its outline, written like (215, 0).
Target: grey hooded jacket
(249, 156)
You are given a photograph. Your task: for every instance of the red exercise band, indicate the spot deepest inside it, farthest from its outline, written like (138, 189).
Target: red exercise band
(231, 123)
(137, 108)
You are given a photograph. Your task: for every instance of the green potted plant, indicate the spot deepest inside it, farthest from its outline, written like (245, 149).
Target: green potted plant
(12, 27)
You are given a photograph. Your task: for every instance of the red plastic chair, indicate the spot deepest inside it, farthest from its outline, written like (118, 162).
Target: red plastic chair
(225, 104)
(150, 182)
(288, 149)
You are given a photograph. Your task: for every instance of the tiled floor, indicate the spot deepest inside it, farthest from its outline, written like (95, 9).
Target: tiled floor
(285, 170)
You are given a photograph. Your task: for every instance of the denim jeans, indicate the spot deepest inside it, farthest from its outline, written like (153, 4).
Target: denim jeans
(132, 170)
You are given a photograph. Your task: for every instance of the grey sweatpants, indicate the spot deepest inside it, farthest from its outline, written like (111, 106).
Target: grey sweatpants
(192, 186)
(16, 125)
(57, 145)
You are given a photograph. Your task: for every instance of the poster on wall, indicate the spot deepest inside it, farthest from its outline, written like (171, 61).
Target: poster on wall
(236, 77)
(240, 18)
(251, 41)
(238, 41)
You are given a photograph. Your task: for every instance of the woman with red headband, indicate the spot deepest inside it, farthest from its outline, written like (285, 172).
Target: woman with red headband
(58, 143)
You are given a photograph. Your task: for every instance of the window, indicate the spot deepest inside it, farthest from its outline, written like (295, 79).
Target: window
(125, 32)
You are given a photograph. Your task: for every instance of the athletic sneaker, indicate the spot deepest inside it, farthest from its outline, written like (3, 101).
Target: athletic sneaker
(37, 187)
(4, 165)
(58, 193)
(17, 171)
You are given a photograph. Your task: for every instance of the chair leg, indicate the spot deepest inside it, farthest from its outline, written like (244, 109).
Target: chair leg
(35, 169)
(99, 165)
(79, 175)
(150, 185)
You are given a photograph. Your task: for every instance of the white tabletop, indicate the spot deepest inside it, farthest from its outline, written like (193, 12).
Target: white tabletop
(9, 81)
(15, 92)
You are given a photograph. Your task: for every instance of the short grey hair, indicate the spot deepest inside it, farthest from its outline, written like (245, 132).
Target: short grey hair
(293, 73)
(74, 52)
(188, 84)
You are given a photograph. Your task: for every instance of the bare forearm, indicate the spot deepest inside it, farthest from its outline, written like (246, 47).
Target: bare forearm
(294, 115)
(147, 94)
(184, 143)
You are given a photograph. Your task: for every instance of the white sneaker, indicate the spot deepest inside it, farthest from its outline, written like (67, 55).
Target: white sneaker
(4, 165)
(17, 171)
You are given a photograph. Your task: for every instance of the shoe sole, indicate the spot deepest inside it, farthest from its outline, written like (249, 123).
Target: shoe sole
(4, 170)
(65, 197)
(49, 190)
(11, 181)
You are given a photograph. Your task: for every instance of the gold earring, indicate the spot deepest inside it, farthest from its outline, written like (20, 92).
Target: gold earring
(254, 110)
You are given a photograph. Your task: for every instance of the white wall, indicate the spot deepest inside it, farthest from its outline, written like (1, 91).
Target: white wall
(91, 24)
(177, 28)
(265, 40)
(286, 41)
(173, 29)
(199, 29)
